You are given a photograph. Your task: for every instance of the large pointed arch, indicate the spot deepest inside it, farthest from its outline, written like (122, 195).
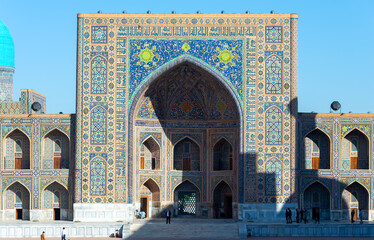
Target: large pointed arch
(317, 199)
(222, 199)
(135, 102)
(356, 144)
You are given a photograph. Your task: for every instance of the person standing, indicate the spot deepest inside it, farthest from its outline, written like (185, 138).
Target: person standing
(297, 215)
(352, 216)
(301, 215)
(168, 216)
(63, 234)
(42, 237)
(290, 215)
(361, 216)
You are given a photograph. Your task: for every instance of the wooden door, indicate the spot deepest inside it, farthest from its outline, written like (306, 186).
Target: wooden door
(353, 162)
(186, 164)
(315, 162)
(355, 215)
(18, 163)
(141, 162)
(144, 205)
(57, 162)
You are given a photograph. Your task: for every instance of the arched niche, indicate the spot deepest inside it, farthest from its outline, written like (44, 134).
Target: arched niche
(56, 200)
(222, 155)
(150, 155)
(56, 150)
(186, 155)
(355, 197)
(222, 200)
(17, 201)
(150, 198)
(16, 150)
(317, 199)
(316, 150)
(355, 150)
(187, 199)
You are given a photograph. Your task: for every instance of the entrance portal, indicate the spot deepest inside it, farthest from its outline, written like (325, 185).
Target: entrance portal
(144, 205)
(222, 199)
(56, 214)
(19, 214)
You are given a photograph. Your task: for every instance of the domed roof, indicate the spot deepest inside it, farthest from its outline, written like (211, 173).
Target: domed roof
(6, 47)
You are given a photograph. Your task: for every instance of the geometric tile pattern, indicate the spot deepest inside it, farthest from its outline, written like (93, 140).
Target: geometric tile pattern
(273, 126)
(98, 177)
(99, 34)
(273, 75)
(98, 126)
(273, 177)
(98, 75)
(273, 34)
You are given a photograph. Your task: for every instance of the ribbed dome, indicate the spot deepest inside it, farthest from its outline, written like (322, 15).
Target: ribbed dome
(6, 47)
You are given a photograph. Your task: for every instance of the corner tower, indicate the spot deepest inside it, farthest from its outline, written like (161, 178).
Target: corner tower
(6, 64)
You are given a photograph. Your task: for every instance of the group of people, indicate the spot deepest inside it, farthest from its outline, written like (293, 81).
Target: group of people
(63, 235)
(301, 215)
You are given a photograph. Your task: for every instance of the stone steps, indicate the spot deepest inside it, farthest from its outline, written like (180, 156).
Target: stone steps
(310, 230)
(183, 229)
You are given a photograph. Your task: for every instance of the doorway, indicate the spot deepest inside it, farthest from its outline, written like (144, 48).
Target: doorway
(227, 206)
(355, 215)
(57, 214)
(315, 212)
(19, 214)
(144, 205)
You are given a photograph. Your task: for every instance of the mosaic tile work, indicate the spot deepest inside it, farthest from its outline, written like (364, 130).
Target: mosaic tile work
(223, 55)
(99, 34)
(142, 48)
(273, 34)
(98, 75)
(36, 175)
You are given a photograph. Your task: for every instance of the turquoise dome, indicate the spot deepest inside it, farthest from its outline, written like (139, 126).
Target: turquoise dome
(6, 47)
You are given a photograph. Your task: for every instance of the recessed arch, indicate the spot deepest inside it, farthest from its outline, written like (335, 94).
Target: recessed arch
(222, 155)
(17, 150)
(187, 197)
(186, 155)
(145, 139)
(317, 147)
(14, 182)
(355, 150)
(317, 199)
(219, 182)
(147, 89)
(222, 200)
(56, 200)
(17, 201)
(55, 150)
(355, 197)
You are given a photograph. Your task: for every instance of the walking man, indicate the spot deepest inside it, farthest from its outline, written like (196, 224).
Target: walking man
(42, 237)
(361, 216)
(63, 234)
(168, 215)
(317, 216)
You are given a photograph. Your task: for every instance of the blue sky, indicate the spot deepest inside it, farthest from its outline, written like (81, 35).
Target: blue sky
(336, 50)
